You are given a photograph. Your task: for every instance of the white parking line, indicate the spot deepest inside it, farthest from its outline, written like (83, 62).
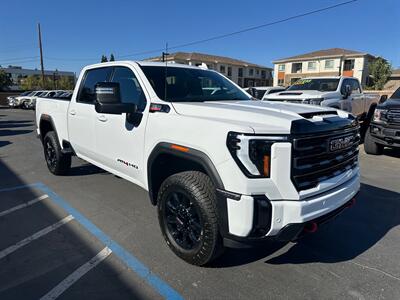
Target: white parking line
(35, 236)
(78, 273)
(12, 209)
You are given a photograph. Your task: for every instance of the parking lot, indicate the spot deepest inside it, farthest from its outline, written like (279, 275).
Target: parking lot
(93, 235)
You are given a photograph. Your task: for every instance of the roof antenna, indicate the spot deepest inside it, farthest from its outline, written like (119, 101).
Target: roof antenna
(165, 58)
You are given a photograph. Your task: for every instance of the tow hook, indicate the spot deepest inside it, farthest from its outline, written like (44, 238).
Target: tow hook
(311, 227)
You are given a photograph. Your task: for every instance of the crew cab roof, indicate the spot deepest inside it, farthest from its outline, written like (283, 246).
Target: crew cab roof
(141, 63)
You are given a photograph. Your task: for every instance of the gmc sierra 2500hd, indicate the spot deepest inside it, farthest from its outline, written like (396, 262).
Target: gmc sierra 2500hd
(223, 170)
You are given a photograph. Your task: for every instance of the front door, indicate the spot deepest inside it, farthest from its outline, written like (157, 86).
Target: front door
(119, 144)
(81, 114)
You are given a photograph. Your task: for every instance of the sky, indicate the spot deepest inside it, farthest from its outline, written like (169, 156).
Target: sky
(77, 33)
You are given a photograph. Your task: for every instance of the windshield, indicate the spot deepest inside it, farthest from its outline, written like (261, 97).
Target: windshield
(396, 94)
(25, 93)
(318, 84)
(191, 85)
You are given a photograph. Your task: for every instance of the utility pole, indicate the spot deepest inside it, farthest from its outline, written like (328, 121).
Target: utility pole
(41, 54)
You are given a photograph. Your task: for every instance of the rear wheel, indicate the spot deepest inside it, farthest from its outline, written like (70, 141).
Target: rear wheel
(370, 146)
(188, 217)
(24, 105)
(58, 163)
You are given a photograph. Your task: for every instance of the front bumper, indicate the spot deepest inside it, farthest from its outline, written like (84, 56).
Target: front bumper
(284, 220)
(387, 135)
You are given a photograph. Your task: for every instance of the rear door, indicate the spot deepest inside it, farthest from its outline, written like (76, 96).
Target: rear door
(82, 115)
(119, 144)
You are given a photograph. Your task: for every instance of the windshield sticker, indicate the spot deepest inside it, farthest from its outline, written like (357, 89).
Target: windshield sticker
(302, 81)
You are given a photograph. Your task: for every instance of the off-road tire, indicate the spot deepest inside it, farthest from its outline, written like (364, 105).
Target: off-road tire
(57, 162)
(370, 146)
(200, 191)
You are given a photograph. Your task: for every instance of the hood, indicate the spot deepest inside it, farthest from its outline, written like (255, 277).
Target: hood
(301, 94)
(391, 103)
(260, 116)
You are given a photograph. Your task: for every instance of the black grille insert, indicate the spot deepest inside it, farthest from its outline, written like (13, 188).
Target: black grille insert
(313, 160)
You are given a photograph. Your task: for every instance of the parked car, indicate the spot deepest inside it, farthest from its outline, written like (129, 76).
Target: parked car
(24, 100)
(11, 99)
(223, 170)
(337, 92)
(259, 92)
(384, 130)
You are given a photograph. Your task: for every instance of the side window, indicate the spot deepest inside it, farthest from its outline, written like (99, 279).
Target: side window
(87, 91)
(131, 92)
(355, 86)
(344, 83)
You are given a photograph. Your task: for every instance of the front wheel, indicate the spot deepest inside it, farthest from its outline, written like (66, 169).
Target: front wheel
(188, 217)
(370, 146)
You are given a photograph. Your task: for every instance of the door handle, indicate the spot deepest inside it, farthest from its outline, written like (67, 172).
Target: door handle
(102, 118)
(72, 112)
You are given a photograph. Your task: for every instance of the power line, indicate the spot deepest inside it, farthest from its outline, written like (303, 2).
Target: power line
(217, 37)
(245, 30)
(17, 62)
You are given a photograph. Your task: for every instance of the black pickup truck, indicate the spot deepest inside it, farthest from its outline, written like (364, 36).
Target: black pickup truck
(384, 130)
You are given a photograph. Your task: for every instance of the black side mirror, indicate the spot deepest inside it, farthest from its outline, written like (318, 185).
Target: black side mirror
(108, 99)
(347, 91)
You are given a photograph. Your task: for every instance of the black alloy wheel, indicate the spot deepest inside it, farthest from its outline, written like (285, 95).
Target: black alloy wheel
(183, 221)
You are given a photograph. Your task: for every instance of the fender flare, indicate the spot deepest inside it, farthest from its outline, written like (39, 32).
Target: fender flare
(193, 155)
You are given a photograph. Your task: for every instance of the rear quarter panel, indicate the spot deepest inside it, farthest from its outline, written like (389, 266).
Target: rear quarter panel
(57, 110)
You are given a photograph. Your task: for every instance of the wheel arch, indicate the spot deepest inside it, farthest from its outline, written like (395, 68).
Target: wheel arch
(173, 161)
(46, 124)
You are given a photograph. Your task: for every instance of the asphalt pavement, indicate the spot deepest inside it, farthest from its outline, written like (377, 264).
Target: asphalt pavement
(92, 235)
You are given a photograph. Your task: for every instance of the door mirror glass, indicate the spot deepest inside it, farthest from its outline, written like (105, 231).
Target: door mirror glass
(108, 93)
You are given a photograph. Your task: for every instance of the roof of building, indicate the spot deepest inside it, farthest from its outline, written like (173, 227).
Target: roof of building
(208, 58)
(332, 52)
(396, 72)
(20, 70)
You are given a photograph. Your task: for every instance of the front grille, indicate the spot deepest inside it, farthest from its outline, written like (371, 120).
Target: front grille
(393, 116)
(314, 160)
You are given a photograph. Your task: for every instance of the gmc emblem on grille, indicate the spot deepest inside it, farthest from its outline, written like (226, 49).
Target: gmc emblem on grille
(340, 143)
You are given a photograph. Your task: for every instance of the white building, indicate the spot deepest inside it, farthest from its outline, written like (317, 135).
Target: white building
(245, 74)
(329, 62)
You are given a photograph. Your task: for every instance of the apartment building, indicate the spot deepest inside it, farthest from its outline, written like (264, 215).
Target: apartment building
(328, 62)
(245, 74)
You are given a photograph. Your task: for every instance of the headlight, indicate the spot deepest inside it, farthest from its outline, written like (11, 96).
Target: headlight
(316, 101)
(252, 153)
(380, 115)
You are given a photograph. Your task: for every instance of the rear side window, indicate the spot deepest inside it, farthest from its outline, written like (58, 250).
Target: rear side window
(87, 91)
(130, 89)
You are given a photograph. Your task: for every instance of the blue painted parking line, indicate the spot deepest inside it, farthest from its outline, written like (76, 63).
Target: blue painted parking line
(130, 260)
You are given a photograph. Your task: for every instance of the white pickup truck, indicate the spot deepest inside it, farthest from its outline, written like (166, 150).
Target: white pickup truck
(337, 92)
(224, 170)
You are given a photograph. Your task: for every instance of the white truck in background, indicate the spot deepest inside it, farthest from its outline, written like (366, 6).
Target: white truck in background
(339, 92)
(223, 170)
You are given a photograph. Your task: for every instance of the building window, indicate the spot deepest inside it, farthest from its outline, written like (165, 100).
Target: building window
(348, 65)
(329, 64)
(257, 72)
(312, 65)
(251, 72)
(280, 82)
(222, 69)
(240, 72)
(229, 71)
(263, 74)
(240, 82)
(296, 67)
(281, 68)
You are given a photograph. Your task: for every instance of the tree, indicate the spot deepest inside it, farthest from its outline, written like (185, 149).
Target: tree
(5, 80)
(112, 57)
(31, 83)
(380, 70)
(66, 83)
(104, 58)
